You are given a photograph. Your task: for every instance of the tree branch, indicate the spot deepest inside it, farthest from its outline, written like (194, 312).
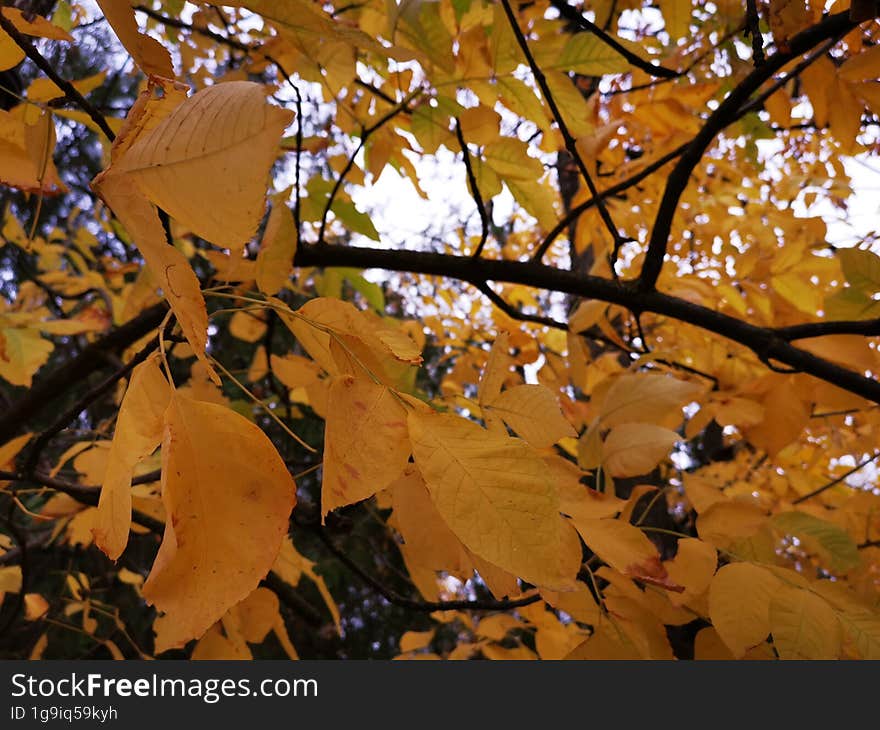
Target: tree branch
(66, 375)
(570, 143)
(572, 15)
(621, 187)
(726, 113)
(764, 342)
(70, 91)
(864, 327)
(834, 482)
(419, 605)
(475, 191)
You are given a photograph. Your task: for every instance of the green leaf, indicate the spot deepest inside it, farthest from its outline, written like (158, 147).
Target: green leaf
(63, 15)
(861, 269)
(355, 220)
(834, 541)
(586, 54)
(851, 303)
(369, 290)
(430, 124)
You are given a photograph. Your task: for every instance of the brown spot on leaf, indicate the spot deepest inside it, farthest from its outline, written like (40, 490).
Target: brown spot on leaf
(652, 571)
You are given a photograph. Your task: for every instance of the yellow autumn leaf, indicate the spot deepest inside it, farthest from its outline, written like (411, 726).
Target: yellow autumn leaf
(587, 314)
(10, 579)
(494, 494)
(803, 625)
(739, 605)
(631, 449)
(692, 567)
(217, 646)
(22, 353)
(401, 345)
(532, 411)
(277, 249)
(290, 566)
(576, 499)
(26, 148)
(415, 640)
(365, 445)
(138, 433)
(645, 398)
(10, 450)
(786, 18)
(228, 496)
(218, 145)
(342, 339)
(677, 14)
(35, 606)
(295, 370)
(607, 642)
(170, 267)
(429, 541)
(480, 125)
(256, 615)
(626, 549)
(247, 326)
(863, 67)
(146, 51)
(10, 52)
(492, 379)
(727, 521)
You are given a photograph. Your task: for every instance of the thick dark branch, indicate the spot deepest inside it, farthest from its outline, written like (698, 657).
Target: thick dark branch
(864, 327)
(727, 112)
(67, 375)
(574, 16)
(765, 343)
(70, 91)
(82, 494)
(621, 187)
(754, 31)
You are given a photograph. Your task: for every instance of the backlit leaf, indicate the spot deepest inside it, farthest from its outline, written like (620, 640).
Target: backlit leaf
(494, 494)
(365, 445)
(228, 497)
(739, 605)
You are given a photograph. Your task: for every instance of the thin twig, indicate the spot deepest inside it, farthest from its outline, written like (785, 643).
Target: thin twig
(569, 140)
(727, 112)
(835, 482)
(475, 191)
(70, 91)
(515, 313)
(621, 187)
(573, 15)
(418, 605)
(365, 135)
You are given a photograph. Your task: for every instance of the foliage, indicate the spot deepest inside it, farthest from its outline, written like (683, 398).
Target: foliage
(615, 398)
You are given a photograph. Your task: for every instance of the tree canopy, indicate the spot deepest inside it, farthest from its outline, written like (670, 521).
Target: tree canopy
(439, 329)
